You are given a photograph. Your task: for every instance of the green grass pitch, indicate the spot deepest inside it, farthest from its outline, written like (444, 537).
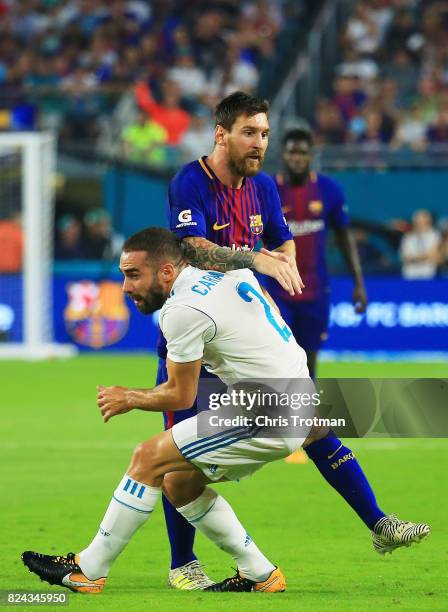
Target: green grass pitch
(60, 465)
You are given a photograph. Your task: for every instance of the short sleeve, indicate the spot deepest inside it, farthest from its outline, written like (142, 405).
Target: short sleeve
(185, 208)
(276, 230)
(186, 330)
(338, 213)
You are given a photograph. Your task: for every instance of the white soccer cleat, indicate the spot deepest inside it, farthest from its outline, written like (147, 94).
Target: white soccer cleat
(189, 577)
(390, 533)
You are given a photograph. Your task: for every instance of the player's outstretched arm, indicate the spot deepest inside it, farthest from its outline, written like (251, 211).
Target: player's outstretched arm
(206, 255)
(349, 250)
(179, 393)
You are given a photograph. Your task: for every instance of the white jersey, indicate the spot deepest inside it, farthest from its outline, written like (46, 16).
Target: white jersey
(225, 320)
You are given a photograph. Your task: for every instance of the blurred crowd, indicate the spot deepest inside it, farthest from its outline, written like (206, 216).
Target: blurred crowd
(91, 237)
(391, 86)
(86, 67)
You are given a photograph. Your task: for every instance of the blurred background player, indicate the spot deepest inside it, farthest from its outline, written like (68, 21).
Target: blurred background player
(312, 203)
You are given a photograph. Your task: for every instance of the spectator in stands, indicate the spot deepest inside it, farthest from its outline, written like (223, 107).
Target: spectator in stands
(429, 99)
(355, 65)
(168, 112)
(260, 24)
(371, 127)
(199, 137)
(403, 34)
(438, 131)
(208, 42)
(410, 131)
(100, 241)
(363, 33)
(348, 96)
(12, 245)
(234, 73)
(420, 248)
(381, 13)
(83, 103)
(402, 70)
(329, 127)
(190, 78)
(144, 141)
(69, 239)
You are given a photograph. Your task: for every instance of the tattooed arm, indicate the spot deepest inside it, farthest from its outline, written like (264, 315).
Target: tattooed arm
(206, 255)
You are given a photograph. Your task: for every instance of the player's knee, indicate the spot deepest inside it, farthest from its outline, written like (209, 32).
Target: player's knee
(317, 433)
(145, 457)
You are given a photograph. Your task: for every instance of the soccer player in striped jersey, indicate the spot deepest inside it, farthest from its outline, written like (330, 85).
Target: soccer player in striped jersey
(222, 320)
(221, 205)
(312, 204)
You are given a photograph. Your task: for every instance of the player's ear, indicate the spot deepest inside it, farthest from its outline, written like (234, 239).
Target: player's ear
(166, 272)
(220, 133)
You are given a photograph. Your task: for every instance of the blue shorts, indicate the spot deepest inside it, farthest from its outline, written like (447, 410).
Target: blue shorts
(176, 416)
(308, 320)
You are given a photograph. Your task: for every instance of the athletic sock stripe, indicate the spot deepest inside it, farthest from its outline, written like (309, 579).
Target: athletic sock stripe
(216, 435)
(195, 520)
(134, 488)
(127, 485)
(142, 490)
(210, 445)
(132, 507)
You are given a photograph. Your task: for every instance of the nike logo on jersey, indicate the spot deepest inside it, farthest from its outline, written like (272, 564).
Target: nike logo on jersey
(333, 454)
(220, 227)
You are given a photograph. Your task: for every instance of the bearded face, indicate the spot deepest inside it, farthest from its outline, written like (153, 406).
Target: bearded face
(244, 164)
(246, 143)
(141, 283)
(150, 300)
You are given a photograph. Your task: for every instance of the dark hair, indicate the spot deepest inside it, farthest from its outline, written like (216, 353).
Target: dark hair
(238, 103)
(158, 242)
(297, 134)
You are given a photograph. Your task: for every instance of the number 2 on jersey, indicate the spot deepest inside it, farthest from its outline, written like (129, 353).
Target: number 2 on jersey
(245, 290)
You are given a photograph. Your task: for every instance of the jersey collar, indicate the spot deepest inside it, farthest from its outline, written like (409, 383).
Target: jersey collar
(212, 176)
(208, 171)
(185, 272)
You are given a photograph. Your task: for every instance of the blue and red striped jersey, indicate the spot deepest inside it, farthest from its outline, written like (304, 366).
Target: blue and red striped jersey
(200, 205)
(310, 210)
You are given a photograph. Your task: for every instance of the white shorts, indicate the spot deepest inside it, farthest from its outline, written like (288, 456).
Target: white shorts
(226, 455)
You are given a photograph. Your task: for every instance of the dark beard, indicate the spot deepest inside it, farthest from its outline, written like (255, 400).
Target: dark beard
(151, 303)
(239, 166)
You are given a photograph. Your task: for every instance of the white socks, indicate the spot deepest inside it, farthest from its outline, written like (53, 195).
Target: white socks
(129, 508)
(214, 517)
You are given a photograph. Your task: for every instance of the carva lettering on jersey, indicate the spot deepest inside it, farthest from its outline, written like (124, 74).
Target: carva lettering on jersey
(207, 282)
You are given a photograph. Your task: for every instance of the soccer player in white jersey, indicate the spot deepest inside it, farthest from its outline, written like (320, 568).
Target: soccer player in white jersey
(223, 320)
